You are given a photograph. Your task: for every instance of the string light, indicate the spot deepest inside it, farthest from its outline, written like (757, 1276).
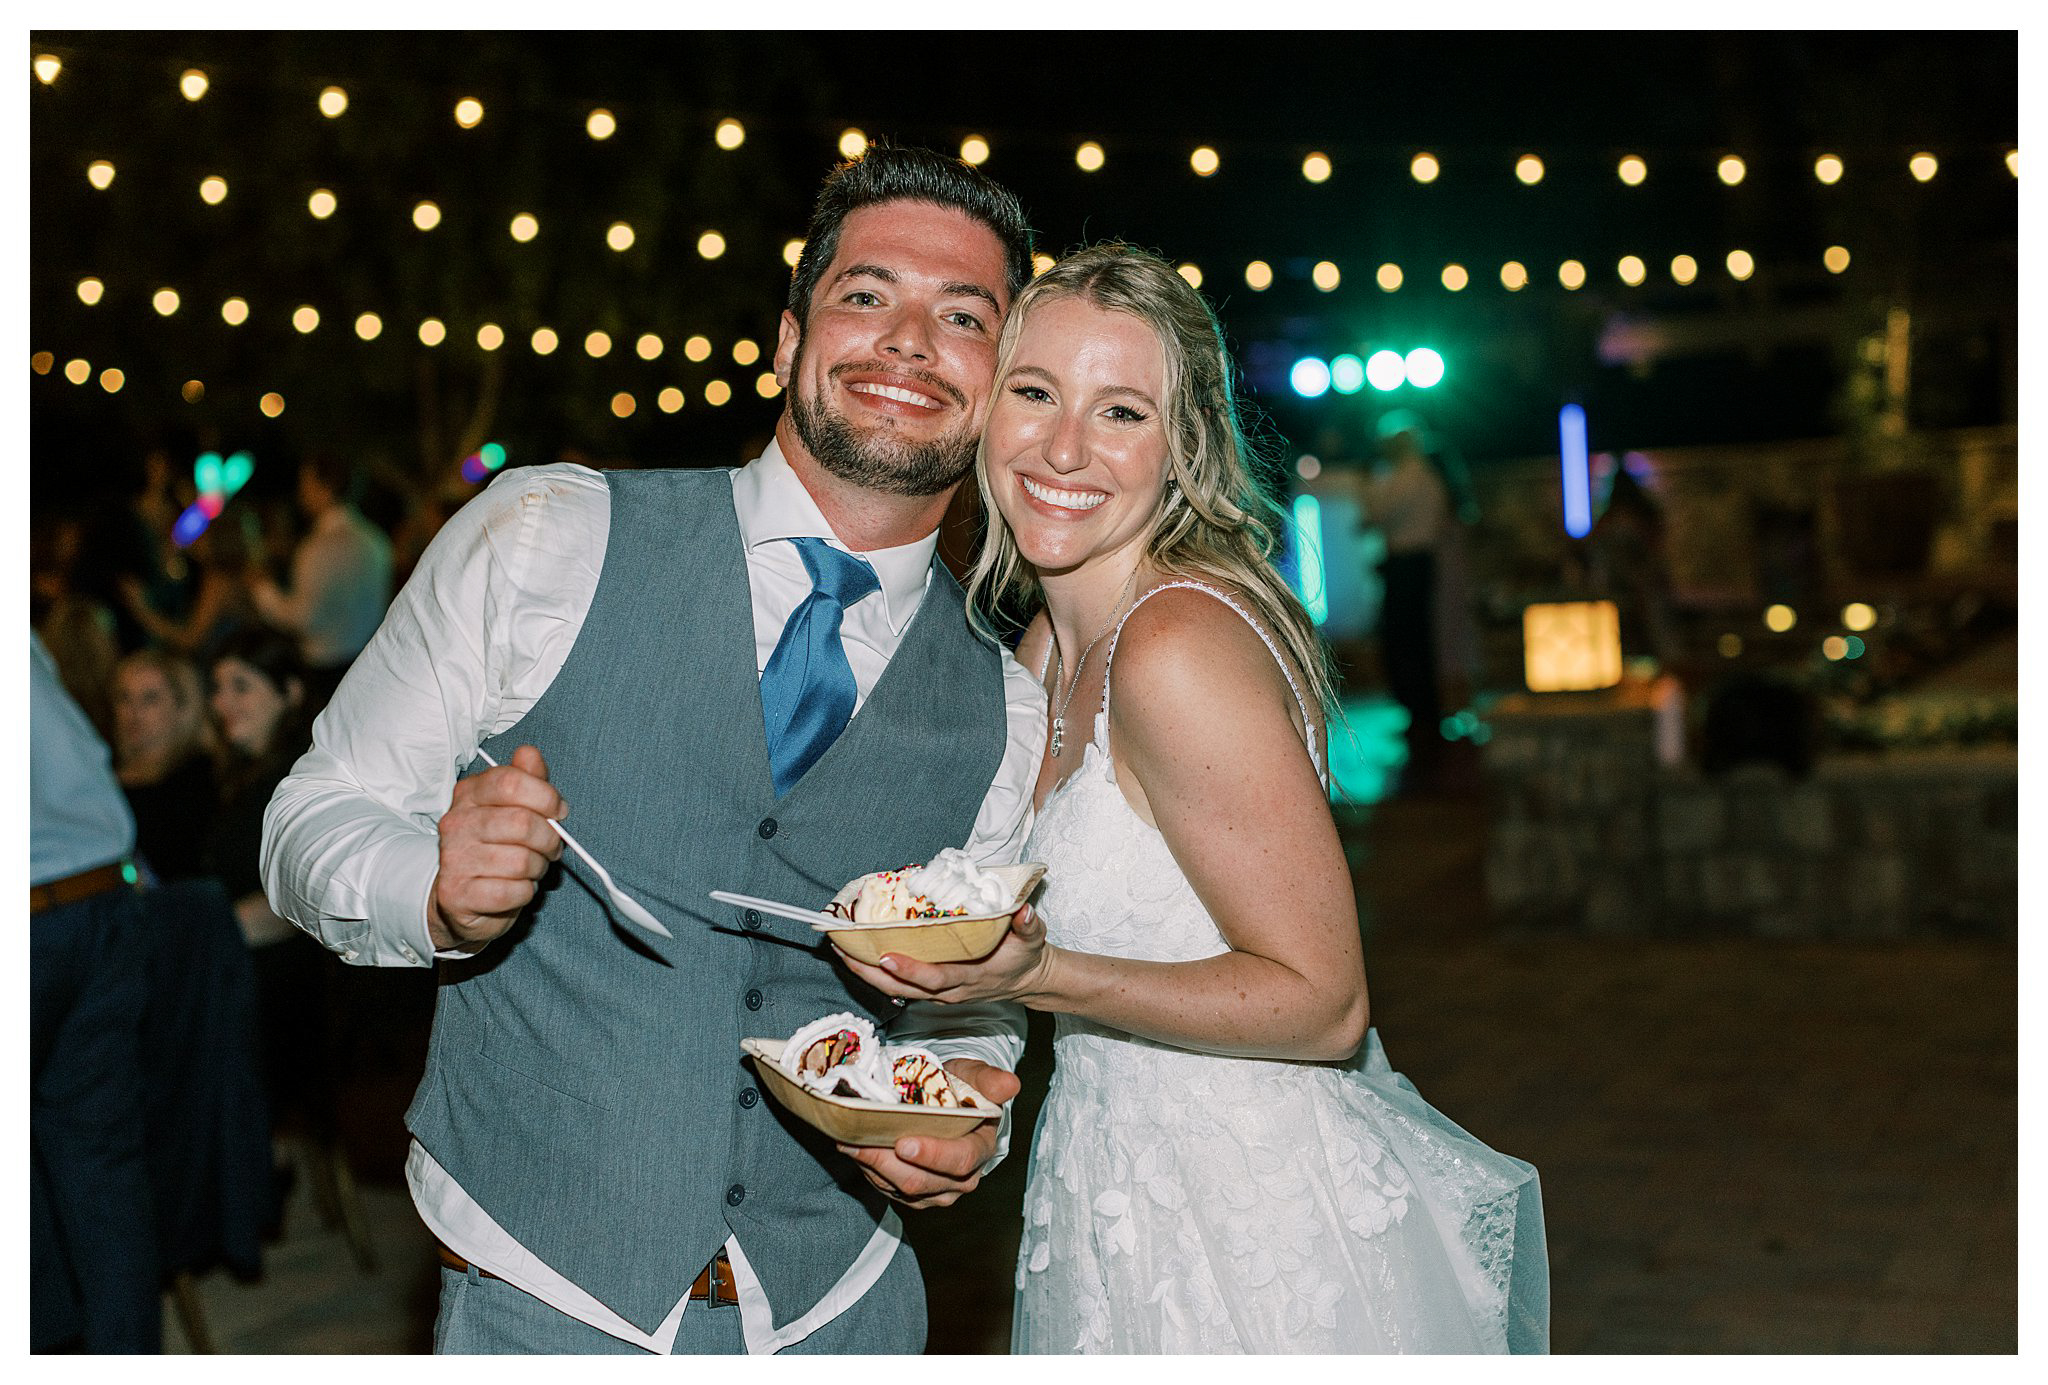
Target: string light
(766, 385)
(1741, 264)
(47, 66)
(1455, 278)
(1529, 170)
(730, 134)
(525, 227)
(1205, 161)
(619, 236)
(717, 393)
(333, 101)
(235, 311)
(1859, 615)
(469, 112)
(697, 349)
(213, 190)
(1731, 170)
(622, 405)
(1316, 168)
(192, 84)
(426, 216)
(165, 301)
(2012, 162)
(490, 336)
(600, 124)
(544, 341)
(1040, 262)
(1828, 168)
(1572, 275)
(100, 174)
(1258, 275)
(78, 371)
(1923, 167)
(111, 380)
(1632, 270)
(1836, 258)
(1424, 168)
(1684, 269)
(1325, 275)
(792, 251)
(272, 404)
(433, 332)
(648, 347)
(669, 400)
(852, 143)
(1089, 157)
(42, 362)
(1632, 170)
(1514, 276)
(1388, 277)
(89, 291)
(192, 391)
(1780, 618)
(711, 245)
(305, 318)
(974, 150)
(321, 204)
(745, 351)
(598, 344)
(369, 326)
(1190, 272)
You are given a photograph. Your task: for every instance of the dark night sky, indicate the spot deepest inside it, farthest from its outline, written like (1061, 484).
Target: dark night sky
(1263, 100)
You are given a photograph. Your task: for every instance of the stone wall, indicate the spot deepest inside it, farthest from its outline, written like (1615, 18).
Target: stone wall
(1589, 831)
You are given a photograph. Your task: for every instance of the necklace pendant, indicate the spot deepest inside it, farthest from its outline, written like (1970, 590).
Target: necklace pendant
(1059, 735)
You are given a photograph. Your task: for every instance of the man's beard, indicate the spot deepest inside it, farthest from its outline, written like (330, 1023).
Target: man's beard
(874, 460)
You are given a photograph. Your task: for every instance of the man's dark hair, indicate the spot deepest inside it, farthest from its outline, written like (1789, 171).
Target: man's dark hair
(889, 174)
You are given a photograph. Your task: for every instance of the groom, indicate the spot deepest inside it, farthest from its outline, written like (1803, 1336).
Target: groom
(757, 680)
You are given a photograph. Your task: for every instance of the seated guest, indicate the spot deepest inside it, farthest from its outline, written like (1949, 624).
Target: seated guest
(160, 743)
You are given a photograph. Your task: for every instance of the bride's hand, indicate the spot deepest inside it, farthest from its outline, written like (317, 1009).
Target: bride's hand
(1016, 970)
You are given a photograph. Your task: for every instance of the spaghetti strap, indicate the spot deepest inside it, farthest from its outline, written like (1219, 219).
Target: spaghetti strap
(1109, 663)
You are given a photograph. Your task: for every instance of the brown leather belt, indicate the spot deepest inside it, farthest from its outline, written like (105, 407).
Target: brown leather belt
(715, 1284)
(73, 889)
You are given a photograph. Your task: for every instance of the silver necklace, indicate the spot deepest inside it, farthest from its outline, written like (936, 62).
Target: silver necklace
(1059, 722)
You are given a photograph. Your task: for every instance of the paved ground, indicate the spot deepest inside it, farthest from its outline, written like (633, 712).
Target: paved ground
(1745, 1146)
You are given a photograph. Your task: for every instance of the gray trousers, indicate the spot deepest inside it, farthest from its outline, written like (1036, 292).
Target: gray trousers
(488, 1317)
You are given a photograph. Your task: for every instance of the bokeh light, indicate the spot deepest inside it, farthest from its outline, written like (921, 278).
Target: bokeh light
(730, 134)
(1424, 367)
(697, 349)
(321, 204)
(469, 112)
(1325, 275)
(1385, 370)
(619, 236)
(369, 326)
(1741, 264)
(717, 393)
(622, 405)
(89, 291)
(792, 251)
(1836, 258)
(1258, 275)
(165, 301)
(766, 385)
(1834, 647)
(1089, 158)
(111, 380)
(1310, 377)
(600, 124)
(974, 150)
(1529, 170)
(1424, 168)
(1347, 374)
(1191, 272)
(1780, 617)
(1632, 270)
(525, 227)
(192, 84)
(852, 144)
(100, 174)
(746, 351)
(1205, 161)
(1572, 275)
(1040, 262)
(333, 101)
(47, 66)
(1731, 169)
(490, 336)
(192, 391)
(1632, 170)
(78, 371)
(1455, 278)
(1828, 168)
(1514, 276)
(544, 341)
(648, 347)
(426, 216)
(42, 362)
(1923, 166)
(598, 344)
(1730, 645)
(213, 189)
(1388, 277)
(1684, 269)
(2012, 162)
(305, 318)
(1316, 168)
(433, 332)
(669, 400)
(1859, 615)
(711, 245)
(272, 404)
(235, 311)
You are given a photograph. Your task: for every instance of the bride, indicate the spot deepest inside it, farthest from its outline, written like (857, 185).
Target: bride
(1225, 1161)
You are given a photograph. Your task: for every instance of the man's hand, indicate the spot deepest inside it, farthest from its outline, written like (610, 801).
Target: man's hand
(931, 1171)
(495, 846)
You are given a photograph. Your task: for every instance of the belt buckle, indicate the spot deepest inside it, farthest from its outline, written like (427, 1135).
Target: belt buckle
(721, 1289)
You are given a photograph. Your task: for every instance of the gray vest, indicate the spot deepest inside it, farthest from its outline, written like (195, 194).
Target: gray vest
(584, 1082)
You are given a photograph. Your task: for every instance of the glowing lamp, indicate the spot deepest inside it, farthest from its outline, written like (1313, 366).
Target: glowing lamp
(1571, 646)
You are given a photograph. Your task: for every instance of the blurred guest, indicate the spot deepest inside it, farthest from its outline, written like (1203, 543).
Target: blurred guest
(92, 1237)
(223, 604)
(259, 707)
(341, 576)
(1407, 501)
(160, 745)
(1626, 563)
(77, 629)
(157, 568)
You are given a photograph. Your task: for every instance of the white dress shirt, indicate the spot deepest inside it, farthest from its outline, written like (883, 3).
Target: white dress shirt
(341, 583)
(350, 849)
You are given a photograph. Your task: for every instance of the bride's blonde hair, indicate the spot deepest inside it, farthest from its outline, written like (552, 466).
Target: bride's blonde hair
(1212, 520)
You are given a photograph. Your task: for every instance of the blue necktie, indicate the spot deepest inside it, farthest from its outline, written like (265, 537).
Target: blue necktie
(807, 690)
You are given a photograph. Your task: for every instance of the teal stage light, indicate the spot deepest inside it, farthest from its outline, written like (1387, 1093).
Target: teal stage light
(1347, 374)
(1425, 367)
(1310, 377)
(1385, 370)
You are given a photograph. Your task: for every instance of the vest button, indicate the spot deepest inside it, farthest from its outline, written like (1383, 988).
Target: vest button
(736, 1194)
(754, 999)
(767, 828)
(748, 1096)
(750, 920)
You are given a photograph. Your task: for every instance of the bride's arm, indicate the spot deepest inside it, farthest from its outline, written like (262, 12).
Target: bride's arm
(1200, 718)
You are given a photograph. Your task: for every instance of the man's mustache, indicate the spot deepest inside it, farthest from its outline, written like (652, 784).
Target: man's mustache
(923, 378)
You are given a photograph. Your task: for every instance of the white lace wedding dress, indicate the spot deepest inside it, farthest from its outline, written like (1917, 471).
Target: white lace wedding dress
(1183, 1202)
